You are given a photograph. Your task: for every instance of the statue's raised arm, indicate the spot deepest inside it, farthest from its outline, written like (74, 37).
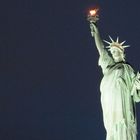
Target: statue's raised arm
(98, 41)
(105, 59)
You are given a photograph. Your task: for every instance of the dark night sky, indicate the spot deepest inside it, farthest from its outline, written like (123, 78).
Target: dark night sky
(49, 75)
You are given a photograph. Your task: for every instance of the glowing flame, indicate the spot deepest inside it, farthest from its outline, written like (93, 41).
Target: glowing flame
(93, 12)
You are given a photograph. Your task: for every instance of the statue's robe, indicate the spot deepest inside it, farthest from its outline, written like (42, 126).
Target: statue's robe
(118, 98)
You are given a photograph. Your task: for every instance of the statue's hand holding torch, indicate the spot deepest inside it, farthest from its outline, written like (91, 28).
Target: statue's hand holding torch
(93, 17)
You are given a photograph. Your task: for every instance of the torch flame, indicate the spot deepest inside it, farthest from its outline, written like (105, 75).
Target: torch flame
(93, 12)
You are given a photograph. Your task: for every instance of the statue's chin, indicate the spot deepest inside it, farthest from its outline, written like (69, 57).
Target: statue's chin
(117, 59)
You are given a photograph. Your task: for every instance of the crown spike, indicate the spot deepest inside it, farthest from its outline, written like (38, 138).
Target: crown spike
(117, 40)
(122, 43)
(107, 42)
(107, 47)
(111, 39)
(126, 46)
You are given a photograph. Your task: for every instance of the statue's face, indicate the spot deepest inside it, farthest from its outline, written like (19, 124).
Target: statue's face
(117, 54)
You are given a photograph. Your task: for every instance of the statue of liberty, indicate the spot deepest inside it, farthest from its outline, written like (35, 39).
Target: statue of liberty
(120, 89)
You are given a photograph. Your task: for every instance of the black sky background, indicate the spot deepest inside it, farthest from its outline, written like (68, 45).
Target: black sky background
(49, 72)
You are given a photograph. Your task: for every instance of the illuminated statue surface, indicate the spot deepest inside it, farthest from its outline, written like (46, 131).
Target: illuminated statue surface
(119, 88)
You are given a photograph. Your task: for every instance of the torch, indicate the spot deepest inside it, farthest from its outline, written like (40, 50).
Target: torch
(93, 16)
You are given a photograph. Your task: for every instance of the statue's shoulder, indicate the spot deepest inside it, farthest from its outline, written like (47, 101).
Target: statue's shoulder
(128, 66)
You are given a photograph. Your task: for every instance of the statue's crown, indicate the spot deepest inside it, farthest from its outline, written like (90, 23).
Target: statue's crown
(116, 44)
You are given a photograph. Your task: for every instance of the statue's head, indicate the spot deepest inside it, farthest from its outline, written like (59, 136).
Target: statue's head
(117, 54)
(116, 49)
